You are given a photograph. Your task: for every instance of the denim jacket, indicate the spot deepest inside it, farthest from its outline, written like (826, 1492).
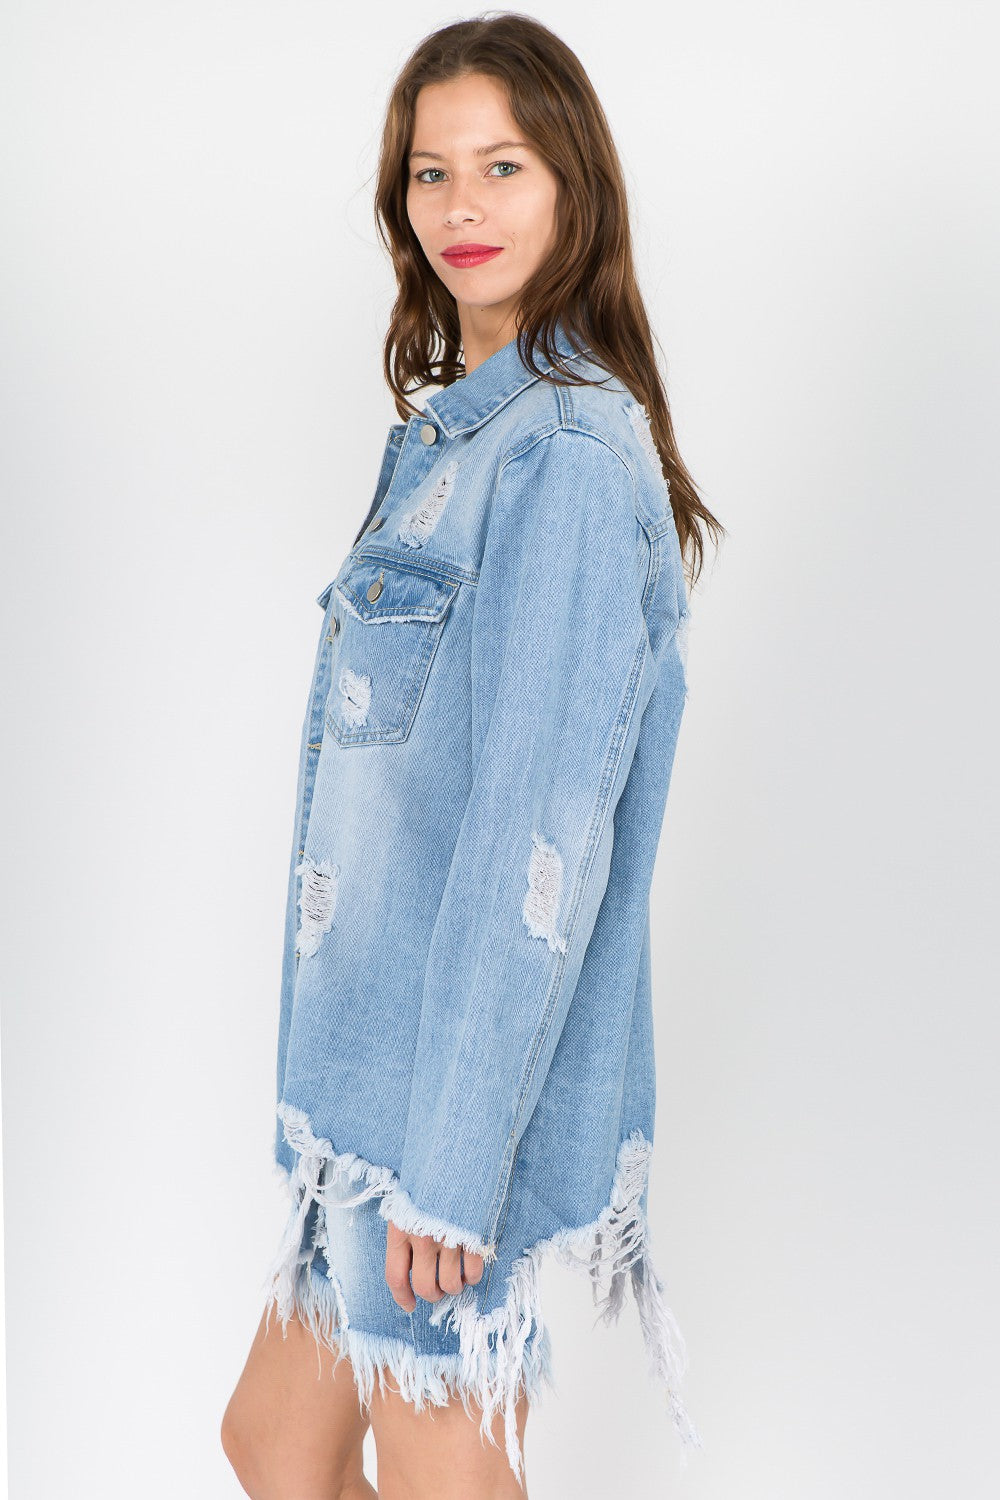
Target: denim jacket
(466, 1025)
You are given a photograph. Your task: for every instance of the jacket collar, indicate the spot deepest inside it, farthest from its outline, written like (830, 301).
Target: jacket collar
(473, 399)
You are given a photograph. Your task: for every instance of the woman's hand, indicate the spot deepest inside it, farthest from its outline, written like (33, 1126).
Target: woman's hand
(418, 1255)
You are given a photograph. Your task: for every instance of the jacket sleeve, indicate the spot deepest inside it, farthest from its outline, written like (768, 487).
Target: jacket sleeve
(562, 670)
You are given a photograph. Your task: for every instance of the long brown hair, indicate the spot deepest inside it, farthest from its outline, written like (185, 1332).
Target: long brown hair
(588, 284)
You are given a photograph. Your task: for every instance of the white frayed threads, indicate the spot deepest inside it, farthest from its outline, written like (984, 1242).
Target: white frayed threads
(317, 902)
(325, 1177)
(545, 871)
(356, 697)
(498, 1363)
(321, 1241)
(613, 1246)
(320, 1176)
(420, 522)
(383, 615)
(498, 1358)
(681, 639)
(639, 418)
(399, 1208)
(422, 1379)
(618, 1243)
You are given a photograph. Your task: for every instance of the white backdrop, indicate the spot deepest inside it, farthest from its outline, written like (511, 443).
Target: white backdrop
(193, 413)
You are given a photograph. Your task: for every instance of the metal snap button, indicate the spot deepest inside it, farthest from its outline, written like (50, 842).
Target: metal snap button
(334, 626)
(374, 589)
(378, 521)
(429, 433)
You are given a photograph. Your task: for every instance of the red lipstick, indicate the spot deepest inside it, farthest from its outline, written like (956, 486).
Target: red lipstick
(470, 254)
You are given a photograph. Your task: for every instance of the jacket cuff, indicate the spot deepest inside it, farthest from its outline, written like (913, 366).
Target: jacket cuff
(399, 1208)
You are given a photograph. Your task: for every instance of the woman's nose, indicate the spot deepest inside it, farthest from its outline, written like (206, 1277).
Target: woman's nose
(461, 205)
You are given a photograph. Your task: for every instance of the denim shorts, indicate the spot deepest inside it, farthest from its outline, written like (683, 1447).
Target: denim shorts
(349, 1260)
(340, 1293)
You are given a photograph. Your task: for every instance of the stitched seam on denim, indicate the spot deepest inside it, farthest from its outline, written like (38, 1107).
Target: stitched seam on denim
(529, 441)
(494, 1239)
(662, 527)
(653, 571)
(564, 401)
(427, 567)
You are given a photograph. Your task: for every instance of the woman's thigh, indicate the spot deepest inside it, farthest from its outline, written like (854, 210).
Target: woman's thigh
(293, 1426)
(440, 1453)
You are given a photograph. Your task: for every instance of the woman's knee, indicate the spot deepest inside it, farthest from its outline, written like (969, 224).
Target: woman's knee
(293, 1428)
(242, 1450)
(273, 1466)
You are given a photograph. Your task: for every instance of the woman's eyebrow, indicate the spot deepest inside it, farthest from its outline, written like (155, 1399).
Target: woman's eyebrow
(479, 151)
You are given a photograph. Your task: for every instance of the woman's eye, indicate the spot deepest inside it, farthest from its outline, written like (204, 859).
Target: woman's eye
(421, 176)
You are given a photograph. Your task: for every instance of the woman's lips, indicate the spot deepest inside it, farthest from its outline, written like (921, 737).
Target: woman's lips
(470, 255)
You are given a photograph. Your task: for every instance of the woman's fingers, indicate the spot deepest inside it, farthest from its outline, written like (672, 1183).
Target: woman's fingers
(432, 1268)
(398, 1256)
(473, 1267)
(423, 1272)
(450, 1270)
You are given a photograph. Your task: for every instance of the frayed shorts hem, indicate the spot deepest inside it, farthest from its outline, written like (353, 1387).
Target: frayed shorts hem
(485, 1385)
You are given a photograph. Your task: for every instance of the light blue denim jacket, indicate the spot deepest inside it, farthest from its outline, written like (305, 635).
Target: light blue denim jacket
(466, 1026)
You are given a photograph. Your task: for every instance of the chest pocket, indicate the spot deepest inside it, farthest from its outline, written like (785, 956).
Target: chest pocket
(390, 621)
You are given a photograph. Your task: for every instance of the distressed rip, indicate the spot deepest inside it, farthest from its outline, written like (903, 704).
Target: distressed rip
(418, 524)
(317, 902)
(639, 418)
(681, 638)
(495, 1363)
(541, 903)
(356, 697)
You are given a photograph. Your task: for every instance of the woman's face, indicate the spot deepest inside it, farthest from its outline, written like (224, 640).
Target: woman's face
(474, 181)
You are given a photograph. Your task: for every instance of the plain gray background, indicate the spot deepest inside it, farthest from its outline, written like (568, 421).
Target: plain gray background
(193, 414)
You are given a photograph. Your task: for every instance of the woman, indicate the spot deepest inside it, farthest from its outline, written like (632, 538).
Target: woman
(465, 1067)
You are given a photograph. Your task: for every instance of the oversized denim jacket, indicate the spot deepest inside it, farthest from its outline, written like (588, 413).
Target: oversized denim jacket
(466, 1026)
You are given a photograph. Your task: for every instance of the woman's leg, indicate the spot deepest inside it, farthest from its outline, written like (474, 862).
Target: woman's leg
(293, 1429)
(439, 1453)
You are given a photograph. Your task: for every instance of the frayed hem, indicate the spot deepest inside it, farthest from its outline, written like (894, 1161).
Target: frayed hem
(399, 1208)
(617, 1245)
(490, 1378)
(614, 1246)
(496, 1361)
(319, 1176)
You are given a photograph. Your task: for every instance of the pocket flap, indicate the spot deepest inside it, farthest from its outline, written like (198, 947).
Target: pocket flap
(376, 589)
